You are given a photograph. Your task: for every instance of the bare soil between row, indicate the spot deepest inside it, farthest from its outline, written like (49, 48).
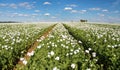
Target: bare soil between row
(33, 47)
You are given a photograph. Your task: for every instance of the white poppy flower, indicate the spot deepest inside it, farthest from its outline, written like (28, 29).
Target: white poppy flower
(57, 58)
(87, 51)
(73, 66)
(24, 62)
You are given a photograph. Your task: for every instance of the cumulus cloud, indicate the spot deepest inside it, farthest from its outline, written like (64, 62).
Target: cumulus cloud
(83, 11)
(72, 5)
(78, 11)
(26, 5)
(47, 14)
(13, 5)
(94, 9)
(17, 15)
(23, 15)
(105, 10)
(67, 8)
(37, 11)
(34, 14)
(3, 5)
(53, 17)
(74, 11)
(102, 15)
(46, 3)
(112, 19)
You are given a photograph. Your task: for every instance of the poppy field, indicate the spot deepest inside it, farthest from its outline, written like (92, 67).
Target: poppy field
(60, 46)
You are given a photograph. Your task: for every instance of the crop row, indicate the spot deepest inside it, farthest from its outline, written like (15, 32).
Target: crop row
(66, 47)
(102, 39)
(15, 39)
(59, 51)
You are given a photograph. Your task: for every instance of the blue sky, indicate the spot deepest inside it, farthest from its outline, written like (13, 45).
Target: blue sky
(60, 10)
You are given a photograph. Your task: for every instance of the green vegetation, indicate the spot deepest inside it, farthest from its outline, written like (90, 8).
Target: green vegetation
(79, 46)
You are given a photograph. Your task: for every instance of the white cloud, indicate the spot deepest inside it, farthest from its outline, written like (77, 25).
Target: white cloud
(46, 3)
(13, 5)
(3, 5)
(37, 10)
(67, 8)
(102, 15)
(74, 11)
(94, 9)
(83, 11)
(26, 5)
(53, 17)
(105, 10)
(23, 15)
(79, 11)
(114, 19)
(19, 15)
(15, 13)
(47, 14)
(34, 14)
(72, 5)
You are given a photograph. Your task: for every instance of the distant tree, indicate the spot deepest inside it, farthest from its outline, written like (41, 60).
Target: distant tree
(9, 22)
(83, 20)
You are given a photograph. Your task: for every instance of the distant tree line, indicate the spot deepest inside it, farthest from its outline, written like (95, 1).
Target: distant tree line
(82, 20)
(9, 22)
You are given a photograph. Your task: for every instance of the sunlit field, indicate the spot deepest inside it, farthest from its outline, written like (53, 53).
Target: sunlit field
(59, 34)
(59, 46)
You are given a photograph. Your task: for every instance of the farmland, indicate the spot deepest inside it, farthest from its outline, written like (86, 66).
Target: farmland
(73, 46)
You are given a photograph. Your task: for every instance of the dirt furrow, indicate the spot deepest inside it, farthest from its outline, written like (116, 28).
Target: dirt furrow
(33, 47)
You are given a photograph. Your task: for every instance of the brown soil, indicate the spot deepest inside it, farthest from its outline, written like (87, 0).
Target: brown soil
(32, 48)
